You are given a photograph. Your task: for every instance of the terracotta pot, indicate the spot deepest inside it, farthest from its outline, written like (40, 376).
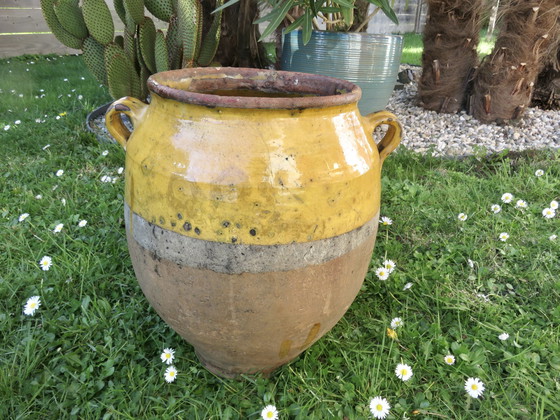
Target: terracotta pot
(252, 205)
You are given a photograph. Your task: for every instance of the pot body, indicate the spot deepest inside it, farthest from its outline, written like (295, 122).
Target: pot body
(369, 60)
(250, 227)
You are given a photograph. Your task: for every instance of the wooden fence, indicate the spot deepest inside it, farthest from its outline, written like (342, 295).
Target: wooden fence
(23, 29)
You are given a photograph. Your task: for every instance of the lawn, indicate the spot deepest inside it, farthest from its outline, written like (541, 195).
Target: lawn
(91, 349)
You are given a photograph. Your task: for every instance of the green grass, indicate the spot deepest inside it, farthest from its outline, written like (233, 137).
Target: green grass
(92, 349)
(413, 46)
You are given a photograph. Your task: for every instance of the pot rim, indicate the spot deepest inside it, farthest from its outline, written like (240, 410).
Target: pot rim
(318, 91)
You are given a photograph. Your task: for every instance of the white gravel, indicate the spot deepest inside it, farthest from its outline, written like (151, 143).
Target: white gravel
(460, 134)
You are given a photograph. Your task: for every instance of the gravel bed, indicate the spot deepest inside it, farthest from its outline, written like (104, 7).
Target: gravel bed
(460, 134)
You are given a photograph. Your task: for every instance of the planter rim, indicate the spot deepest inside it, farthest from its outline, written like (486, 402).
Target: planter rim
(356, 35)
(308, 90)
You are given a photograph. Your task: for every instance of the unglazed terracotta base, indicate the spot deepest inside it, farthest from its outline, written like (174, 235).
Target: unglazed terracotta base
(256, 319)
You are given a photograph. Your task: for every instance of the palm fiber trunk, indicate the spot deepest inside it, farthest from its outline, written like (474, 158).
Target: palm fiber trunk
(505, 81)
(450, 39)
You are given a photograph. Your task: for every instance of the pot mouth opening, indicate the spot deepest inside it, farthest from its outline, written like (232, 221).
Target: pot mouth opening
(232, 87)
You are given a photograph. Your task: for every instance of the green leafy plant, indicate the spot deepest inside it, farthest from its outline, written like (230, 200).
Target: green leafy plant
(337, 15)
(124, 62)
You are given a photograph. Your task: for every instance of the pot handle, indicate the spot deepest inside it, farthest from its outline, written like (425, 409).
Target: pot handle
(394, 133)
(131, 107)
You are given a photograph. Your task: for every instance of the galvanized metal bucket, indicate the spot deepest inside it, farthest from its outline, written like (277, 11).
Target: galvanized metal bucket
(369, 60)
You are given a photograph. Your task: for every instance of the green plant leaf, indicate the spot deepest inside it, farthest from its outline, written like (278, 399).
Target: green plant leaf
(226, 4)
(295, 24)
(307, 27)
(276, 18)
(386, 8)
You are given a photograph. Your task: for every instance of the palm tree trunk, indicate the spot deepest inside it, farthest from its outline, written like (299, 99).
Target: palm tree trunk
(547, 89)
(504, 83)
(450, 39)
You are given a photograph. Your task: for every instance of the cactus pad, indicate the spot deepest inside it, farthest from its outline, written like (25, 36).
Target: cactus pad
(135, 10)
(57, 29)
(189, 13)
(70, 17)
(162, 9)
(162, 55)
(211, 39)
(99, 20)
(94, 57)
(121, 75)
(147, 39)
(119, 7)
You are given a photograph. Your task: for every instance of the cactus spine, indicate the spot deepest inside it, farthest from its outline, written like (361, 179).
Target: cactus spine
(124, 62)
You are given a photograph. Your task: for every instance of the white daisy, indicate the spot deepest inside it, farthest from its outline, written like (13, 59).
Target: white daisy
(382, 273)
(553, 237)
(105, 153)
(379, 407)
(521, 204)
(389, 265)
(167, 356)
(38, 197)
(462, 217)
(496, 208)
(396, 323)
(32, 305)
(539, 172)
(6, 127)
(120, 170)
(474, 387)
(45, 263)
(82, 223)
(548, 213)
(449, 359)
(170, 374)
(58, 228)
(23, 216)
(504, 236)
(403, 372)
(269, 413)
(60, 172)
(407, 286)
(63, 201)
(554, 205)
(385, 221)
(507, 197)
(503, 336)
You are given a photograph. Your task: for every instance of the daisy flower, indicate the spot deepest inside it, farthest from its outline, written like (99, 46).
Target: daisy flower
(32, 305)
(403, 372)
(269, 413)
(474, 387)
(58, 228)
(462, 217)
(82, 223)
(449, 359)
(167, 356)
(504, 236)
(496, 208)
(120, 170)
(382, 273)
(105, 153)
(170, 374)
(548, 213)
(521, 204)
(396, 323)
(389, 265)
(38, 197)
(407, 286)
(45, 263)
(23, 216)
(539, 172)
(507, 197)
(554, 205)
(379, 407)
(385, 221)
(553, 237)
(503, 336)
(60, 172)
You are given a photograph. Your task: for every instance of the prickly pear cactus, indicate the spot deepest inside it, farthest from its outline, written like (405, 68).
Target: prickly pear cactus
(99, 21)
(125, 62)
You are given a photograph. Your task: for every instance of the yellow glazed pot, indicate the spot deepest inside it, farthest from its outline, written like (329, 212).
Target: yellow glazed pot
(251, 207)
